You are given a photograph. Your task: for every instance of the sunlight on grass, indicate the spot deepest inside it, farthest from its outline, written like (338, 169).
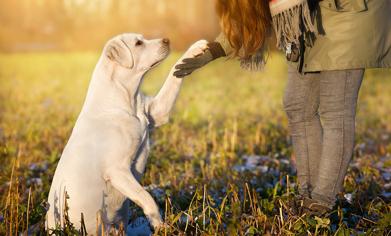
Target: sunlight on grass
(198, 171)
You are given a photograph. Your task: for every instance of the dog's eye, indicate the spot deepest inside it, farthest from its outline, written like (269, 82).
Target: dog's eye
(139, 43)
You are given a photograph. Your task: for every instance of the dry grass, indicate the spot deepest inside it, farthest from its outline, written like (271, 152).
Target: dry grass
(197, 169)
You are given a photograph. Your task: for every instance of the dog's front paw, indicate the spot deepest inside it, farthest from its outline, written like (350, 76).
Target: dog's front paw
(155, 221)
(161, 227)
(196, 49)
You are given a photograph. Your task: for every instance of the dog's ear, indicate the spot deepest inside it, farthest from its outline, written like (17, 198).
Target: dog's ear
(120, 54)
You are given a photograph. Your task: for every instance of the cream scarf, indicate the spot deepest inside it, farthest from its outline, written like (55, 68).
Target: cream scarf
(292, 19)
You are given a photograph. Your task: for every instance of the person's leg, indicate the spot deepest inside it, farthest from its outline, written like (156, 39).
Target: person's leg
(301, 101)
(338, 99)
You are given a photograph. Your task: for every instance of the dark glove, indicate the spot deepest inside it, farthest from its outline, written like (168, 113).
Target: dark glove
(189, 65)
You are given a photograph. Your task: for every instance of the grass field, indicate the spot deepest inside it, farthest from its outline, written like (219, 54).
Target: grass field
(221, 166)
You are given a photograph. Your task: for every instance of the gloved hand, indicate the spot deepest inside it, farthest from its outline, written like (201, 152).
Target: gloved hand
(188, 65)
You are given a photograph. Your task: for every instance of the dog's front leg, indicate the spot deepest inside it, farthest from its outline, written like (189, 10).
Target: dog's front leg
(124, 182)
(160, 106)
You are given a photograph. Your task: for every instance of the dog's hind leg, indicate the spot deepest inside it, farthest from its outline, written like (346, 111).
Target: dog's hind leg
(126, 183)
(140, 161)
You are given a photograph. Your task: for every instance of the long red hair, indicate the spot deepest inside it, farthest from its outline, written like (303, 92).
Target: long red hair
(245, 23)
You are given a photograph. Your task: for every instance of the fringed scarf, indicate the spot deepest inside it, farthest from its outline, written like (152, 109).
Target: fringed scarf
(292, 20)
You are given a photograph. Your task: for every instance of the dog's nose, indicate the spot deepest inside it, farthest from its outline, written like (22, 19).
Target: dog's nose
(166, 41)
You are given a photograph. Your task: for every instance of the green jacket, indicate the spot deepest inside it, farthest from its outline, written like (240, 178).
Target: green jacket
(357, 34)
(352, 34)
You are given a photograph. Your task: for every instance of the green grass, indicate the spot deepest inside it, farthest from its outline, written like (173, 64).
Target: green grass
(223, 114)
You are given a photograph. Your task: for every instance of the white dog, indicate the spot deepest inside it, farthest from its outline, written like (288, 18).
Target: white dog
(105, 157)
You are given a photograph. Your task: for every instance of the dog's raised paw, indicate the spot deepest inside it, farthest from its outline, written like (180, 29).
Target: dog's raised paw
(197, 48)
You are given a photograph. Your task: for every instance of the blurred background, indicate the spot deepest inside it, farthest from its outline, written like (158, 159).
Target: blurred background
(31, 25)
(228, 132)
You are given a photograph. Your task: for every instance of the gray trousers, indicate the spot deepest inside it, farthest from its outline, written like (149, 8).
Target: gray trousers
(321, 109)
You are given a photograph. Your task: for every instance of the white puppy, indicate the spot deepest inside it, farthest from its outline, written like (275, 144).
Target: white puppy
(105, 157)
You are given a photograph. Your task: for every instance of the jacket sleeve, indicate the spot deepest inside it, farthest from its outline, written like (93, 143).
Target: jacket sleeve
(255, 62)
(224, 44)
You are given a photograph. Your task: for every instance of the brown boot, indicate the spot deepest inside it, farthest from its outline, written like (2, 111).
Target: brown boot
(312, 207)
(295, 205)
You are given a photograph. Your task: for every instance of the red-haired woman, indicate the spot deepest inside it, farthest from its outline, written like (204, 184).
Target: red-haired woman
(328, 46)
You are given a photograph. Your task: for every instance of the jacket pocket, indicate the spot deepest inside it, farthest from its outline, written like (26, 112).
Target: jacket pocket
(345, 5)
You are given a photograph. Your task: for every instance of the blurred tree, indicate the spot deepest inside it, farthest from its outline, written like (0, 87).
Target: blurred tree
(86, 24)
